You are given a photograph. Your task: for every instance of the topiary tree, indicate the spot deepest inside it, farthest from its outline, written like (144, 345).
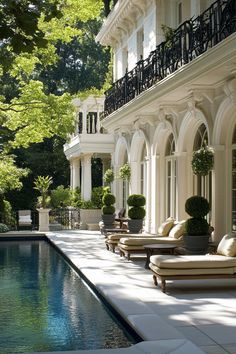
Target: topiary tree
(136, 212)
(108, 210)
(197, 228)
(108, 200)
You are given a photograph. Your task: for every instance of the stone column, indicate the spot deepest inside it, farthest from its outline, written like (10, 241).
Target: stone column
(86, 183)
(154, 199)
(220, 209)
(98, 120)
(84, 112)
(182, 187)
(147, 192)
(71, 174)
(135, 178)
(195, 9)
(76, 173)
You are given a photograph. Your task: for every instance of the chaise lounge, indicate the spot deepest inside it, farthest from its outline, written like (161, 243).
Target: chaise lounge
(210, 266)
(170, 232)
(113, 239)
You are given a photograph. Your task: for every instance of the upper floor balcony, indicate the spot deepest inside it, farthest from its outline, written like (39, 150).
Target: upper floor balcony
(88, 137)
(189, 41)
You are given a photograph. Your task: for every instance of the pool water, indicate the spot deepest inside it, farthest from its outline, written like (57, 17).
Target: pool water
(46, 306)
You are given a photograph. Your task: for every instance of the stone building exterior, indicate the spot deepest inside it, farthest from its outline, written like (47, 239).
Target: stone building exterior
(174, 91)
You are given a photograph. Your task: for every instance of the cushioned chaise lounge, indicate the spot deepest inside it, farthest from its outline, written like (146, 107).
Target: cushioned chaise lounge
(219, 265)
(173, 234)
(112, 240)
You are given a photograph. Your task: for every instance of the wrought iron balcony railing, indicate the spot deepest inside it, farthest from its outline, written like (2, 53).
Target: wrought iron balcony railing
(190, 39)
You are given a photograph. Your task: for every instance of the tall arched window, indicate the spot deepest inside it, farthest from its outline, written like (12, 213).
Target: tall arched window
(170, 177)
(234, 180)
(143, 170)
(202, 184)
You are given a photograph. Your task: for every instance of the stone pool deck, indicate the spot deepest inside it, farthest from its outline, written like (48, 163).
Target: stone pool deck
(193, 317)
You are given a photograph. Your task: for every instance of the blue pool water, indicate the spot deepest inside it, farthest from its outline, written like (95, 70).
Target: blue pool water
(46, 306)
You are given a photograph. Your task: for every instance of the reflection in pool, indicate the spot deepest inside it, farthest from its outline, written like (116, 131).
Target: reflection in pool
(46, 306)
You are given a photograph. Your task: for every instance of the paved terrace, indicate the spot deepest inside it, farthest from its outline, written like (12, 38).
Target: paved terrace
(201, 311)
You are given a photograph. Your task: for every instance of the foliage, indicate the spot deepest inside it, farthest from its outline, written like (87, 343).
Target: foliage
(108, 199)
(136, 212)
(3, 228)
(125, 172)
(203, 161)
(108, 209)
(61, 197)
(10, 174)
(29, 38)
(96, 197)
(136, 200)
(197, 206)
(197, 226)
(168, 33)
(108, 176)
(6, 215)
(42, 184)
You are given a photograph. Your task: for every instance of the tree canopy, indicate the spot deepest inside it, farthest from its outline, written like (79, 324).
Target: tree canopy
(30, 32)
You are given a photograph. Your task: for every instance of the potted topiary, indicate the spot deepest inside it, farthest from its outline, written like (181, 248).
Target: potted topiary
(136, 212)
(196, 238)
(108, 210)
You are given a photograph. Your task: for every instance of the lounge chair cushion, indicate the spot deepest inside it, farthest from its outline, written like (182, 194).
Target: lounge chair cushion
(164, 228)
(227, 246)
(177, 230)
(191, 271)
(141, 241)
(193, 262)
(117, 237)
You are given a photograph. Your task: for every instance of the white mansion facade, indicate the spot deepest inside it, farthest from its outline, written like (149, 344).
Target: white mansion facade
(173, 92)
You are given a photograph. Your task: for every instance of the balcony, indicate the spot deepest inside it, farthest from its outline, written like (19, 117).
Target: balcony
(191, 39)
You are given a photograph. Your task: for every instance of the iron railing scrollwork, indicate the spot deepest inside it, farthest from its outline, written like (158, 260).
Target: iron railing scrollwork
(191, 39)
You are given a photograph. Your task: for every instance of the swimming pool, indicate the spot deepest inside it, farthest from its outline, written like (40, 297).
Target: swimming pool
(46, 306)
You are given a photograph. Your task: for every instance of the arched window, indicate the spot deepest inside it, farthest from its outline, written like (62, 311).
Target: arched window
(234, 180)
(170, 162)
(202, 184)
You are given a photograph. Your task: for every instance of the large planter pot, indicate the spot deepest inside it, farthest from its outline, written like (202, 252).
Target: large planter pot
(135, 225)
(43, 219)
(108, 220)
(196, 244)
(89, 216)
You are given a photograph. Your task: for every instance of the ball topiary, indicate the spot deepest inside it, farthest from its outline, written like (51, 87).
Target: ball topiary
(108, 209)
(108, 199)
(136, 200)
(136, 212)
(197, 206)
(3, 228)
(196, 226)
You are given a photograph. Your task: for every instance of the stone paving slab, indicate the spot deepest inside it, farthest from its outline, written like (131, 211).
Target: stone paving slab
(201, 311)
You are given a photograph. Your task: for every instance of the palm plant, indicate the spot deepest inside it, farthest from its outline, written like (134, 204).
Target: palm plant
(42, 184)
